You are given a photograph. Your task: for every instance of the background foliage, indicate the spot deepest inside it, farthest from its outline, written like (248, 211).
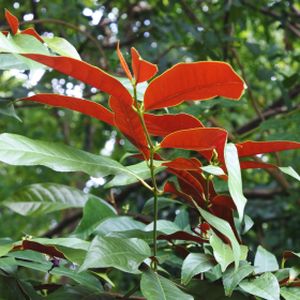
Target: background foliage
(259, 39)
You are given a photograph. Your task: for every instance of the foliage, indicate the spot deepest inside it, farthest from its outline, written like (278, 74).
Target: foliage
(170, 154)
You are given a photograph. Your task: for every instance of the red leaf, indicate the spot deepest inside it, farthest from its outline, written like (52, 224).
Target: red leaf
(31, 31)
(181, 235)
(185, 164)
(86, 73)
(197, 139)
(123, 62)
(224, 201)
(162, 125)
(189, 185)
(128, 121)
(256, 165)
(193, 81)
(170, 187)
(250, 148)
(12, 21)
(142, 69)
(86, 107)
(49, 250)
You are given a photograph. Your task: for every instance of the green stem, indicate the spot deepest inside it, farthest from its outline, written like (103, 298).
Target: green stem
(155, 190)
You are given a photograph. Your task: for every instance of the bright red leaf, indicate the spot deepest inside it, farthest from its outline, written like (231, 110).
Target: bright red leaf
(162, 125)
(12, 21)
(256, 165)
(31, 31)
(197, 139)
(181, 163)
(123, 62)
(250, 148)
(86, 107)
(128, 121)
(49, 250)
(143, 70)
(86, 73)
(170, 187)
(193, 81)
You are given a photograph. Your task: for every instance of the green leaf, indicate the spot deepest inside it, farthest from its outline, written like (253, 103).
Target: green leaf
(214, 170)
(94, 211)
(290, 171)
(10, 289)
(74, 249)
(231, 278)
(7, 264)
(195, 263)
(182, 219)
(123, 254)
(118, 224)
(265, 261)
(223, 227)
(39, 199)
(235, 178)
(223, 253)
(162, 203)
(141, 170)
(61, 47)
(10, 61)
(23, 43)
(37, 261)
(140, 88)
(290, 293)
(294, 272)
(82, 278)
(6, 244)
(265, 286)
(7, 107)
(19, 150)
(126, 227)
(156, 287)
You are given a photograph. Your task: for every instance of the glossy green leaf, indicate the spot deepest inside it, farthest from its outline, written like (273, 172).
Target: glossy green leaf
(10, 61)
(290, 293)
(7, 107)
(156, 287)
(140, 88)
(61, 47)
(214, 170)
(223, 253)
(235, 178)
(290, 171)
(265, 261)
(224, 227)
(22, 43)
(6, 244)
(195, 263)
(94, 211)
(74, 249)
(38, 199)
(123, 254)
(118, 224)
(82, 278)
(265, 286)
(141, 170)
(231, 278)
(19, 150)
(127, 227)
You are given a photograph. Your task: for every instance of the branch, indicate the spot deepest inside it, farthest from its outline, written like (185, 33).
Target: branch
(270, 13)
(277, 107)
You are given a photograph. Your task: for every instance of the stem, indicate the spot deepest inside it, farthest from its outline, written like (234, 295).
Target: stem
(155, 190)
